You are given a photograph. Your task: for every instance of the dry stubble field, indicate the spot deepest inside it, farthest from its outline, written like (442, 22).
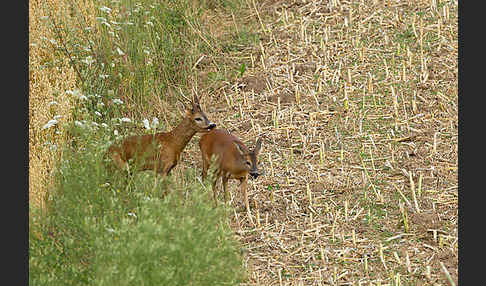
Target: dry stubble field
(357, 105)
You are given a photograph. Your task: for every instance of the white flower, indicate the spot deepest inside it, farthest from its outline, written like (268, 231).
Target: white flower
(117, 101)
(146, 124)
(125, 119)
(110, 230)
(106, 24)
(49, 124)
(132, 214)
(105, 9)
(115, 132)
(88, 60)
(94, 124)
(53, 147)
(97, 113)
(103, 76)
(155, 122)
(120, 52)
(149, 23)
(78, 123)
(104, 125)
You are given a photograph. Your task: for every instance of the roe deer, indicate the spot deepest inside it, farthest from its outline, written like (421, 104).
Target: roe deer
(160, 151)
(234, 160)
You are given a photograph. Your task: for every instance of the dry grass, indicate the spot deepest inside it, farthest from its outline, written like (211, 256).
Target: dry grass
(357, 101)
(49, 77)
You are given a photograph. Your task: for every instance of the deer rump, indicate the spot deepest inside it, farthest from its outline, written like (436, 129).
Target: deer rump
(146, 152)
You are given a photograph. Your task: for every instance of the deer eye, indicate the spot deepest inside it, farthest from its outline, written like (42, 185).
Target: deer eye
(248, 163)
(198, 119)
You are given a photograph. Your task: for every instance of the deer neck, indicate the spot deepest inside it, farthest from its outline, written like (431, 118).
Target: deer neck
(182, 134)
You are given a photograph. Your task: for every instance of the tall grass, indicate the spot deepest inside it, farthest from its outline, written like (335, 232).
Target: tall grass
(102, 228)
(101, 231)
(136, 51)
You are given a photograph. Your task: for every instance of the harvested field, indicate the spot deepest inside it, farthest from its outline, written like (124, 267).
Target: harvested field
(357, 105)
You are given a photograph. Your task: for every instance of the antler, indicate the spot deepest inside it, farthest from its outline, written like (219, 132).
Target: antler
(187, 99)
(194, 92)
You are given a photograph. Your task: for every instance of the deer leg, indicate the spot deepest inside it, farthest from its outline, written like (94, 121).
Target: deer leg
(244, 183)
(225, 187)
(119, 162)
(205, 167)
(218, 175)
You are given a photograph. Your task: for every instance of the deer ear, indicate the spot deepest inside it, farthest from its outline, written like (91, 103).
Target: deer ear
(258, 146)
(240, 150)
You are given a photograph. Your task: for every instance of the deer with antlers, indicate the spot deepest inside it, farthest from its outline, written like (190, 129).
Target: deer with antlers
(160, 151)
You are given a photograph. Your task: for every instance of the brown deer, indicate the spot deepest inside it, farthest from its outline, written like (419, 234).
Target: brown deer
(160, 151)
(233, 159)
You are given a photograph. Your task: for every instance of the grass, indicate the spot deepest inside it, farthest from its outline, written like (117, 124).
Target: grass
(358, 105)
(101, 231)
(90, 225)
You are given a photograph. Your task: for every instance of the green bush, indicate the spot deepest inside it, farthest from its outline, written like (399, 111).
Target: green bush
(101, 231)
(169, 243)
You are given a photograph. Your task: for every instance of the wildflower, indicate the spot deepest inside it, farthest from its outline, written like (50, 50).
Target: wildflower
(155, 122)
(117, 101)
(88, 60)
(120, 52)
(105, 9)
(106, 24)
(50, 123)
(149, 23)
(104, 125)
(115, 132)
(110, 230)
(125, 119)
(97, 113)
(78, 123)
(146, 124)
(132, 214)
(103, 76)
